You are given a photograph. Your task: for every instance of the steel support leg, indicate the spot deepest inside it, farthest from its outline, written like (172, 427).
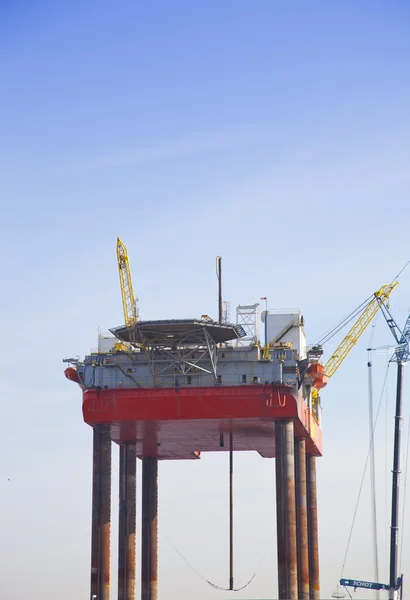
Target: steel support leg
(127, 522)
(302, 520)
(313, 529)
(286, 511)
(101, 513)
(149, 564)
(280, 516)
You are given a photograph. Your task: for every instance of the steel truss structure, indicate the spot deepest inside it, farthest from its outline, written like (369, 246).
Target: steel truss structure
(247, 316)
(196, 351)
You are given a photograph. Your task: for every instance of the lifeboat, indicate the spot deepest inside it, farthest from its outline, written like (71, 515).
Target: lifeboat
(321, 381)
(314, 370)
(320, 378)
(72, 375)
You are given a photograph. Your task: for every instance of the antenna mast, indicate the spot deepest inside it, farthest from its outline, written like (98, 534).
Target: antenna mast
(219, 275)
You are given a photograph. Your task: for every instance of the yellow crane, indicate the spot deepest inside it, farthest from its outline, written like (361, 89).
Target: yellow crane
(129, 304)
(352, 337)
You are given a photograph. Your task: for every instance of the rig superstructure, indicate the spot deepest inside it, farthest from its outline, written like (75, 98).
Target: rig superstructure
(172, 389)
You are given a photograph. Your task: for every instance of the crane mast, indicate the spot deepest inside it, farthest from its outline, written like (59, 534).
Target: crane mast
(128, 299)
(401, 356)
(403, 351)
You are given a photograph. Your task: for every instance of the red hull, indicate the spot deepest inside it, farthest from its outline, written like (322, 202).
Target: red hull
(172, 424)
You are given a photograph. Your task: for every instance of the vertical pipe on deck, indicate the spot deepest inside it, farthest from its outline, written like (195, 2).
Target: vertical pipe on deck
(101, 513)
(127, 521)
(219, 275)
(313, 528)
(302, 520)
(149, 534)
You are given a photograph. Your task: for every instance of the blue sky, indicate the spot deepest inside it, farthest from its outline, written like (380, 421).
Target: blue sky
(275, 134)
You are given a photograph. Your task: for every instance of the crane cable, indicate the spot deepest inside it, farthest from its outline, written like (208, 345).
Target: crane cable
(214, 585)
(372, 459)
(386, 471)
(364, 474)
(401, 271)
(336, 328)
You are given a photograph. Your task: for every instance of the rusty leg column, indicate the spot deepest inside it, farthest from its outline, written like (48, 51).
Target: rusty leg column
(313, 528)
(290, 509)
(286, 511)
(149, 563)
(101, 513)
(302, 520)
(280, 517)
(127, 522)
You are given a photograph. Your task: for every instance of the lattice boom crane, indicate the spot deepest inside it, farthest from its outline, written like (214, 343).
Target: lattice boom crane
(350, 340)
(128, 299)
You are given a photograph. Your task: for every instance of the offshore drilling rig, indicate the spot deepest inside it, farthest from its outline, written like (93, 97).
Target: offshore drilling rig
(172, 389)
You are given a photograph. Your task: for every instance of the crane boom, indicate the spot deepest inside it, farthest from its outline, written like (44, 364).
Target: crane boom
(128, 299)
(358, 328)
(352, 337)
